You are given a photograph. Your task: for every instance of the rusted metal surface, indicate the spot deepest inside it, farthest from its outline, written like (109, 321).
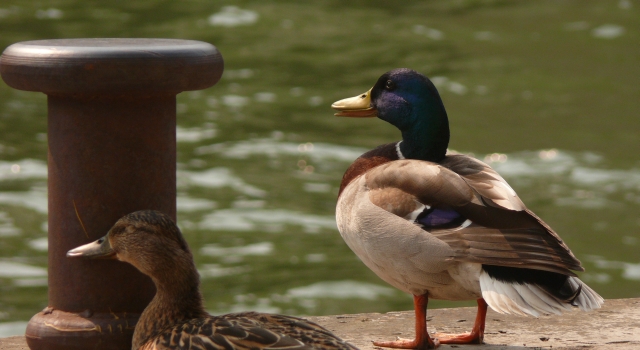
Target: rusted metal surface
(112, 150)
(99, 67)
(58, 329)
(109, 158)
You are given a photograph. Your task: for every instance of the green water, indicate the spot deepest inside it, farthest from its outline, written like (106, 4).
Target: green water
(547, 91)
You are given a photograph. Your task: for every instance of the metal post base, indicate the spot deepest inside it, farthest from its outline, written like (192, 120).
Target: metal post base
(54, 329)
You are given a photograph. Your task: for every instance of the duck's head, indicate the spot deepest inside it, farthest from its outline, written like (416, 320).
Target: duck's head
(148, 240)
(409, 101)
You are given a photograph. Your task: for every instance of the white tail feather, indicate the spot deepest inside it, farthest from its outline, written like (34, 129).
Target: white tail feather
(588, 299)
(523, 299)
(490, 295)
(553, 305)
(510, 298)
(534, 300)
(580, 299)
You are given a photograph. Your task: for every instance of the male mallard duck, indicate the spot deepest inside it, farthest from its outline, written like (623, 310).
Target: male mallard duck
(175, 318)
(447, 226)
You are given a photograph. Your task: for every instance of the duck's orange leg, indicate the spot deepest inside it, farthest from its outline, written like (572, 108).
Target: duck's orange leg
(477, 333)
(422, 340)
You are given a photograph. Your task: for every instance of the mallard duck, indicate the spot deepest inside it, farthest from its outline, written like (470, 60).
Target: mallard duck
(175, 318)
(447, 226)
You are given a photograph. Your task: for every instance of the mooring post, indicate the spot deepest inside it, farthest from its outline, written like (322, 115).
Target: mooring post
(112, 151)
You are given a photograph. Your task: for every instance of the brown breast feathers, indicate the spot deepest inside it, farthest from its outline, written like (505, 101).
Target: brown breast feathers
(379, 155)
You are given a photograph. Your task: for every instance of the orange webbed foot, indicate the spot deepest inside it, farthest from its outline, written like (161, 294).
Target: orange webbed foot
(477, 333)
(464, 338)
(400, 343)
(422, 339)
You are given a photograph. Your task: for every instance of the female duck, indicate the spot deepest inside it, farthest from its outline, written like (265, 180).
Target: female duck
(175, 318)
(447, 226)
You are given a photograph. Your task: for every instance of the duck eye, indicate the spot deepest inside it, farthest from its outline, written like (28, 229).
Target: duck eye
(390, 85)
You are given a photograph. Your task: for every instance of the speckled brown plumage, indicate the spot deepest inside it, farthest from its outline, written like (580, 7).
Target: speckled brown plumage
(247, 330)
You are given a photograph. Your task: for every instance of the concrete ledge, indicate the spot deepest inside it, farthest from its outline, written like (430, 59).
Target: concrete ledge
(13, 343)
(615, 326)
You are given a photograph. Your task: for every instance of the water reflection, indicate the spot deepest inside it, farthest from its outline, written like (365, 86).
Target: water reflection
(216, 178)
(608, 31)
(261, 248)
(265, 97)
(50, 13)
(10, 269)
(231, 16)
(39, 244)
(244, 73)
(309, 297)
(189, 204)
(265, 220)
(196, 134)
(576, 179)
(275, 147)
(340, 290)
(23, 169)
(444, 83)
(207, 271)
(430, 33)
(235, 101)
(35, 199)
(629, 270)
(7, 227)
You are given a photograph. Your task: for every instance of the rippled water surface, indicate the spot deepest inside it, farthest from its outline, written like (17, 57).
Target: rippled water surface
(546, 92)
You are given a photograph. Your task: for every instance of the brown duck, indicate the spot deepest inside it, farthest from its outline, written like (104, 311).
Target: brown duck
(175, 318)
(447, 226)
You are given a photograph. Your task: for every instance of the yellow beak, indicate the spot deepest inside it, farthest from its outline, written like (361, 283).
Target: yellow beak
(357, 106)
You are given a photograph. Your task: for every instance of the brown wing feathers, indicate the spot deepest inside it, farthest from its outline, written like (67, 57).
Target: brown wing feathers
(510, 248)
(500, 236)
(487, 182)
(250, 330)
(429, 183)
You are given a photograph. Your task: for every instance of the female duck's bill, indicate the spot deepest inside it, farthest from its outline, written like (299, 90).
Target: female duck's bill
(100, 249)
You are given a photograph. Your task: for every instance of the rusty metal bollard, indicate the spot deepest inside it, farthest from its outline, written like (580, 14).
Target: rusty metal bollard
(112, 150)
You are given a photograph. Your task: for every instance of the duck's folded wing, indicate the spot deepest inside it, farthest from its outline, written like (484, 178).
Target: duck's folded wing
(492, 188)
(314, 335)
(223, 334)
(492, 234)
(249, 331)
(521, 247)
